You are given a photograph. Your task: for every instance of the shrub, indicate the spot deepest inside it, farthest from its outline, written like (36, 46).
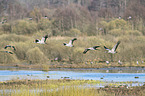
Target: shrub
(77, 56)
(45, 67)
(7, 28)
(7, 58)
(24, 27)
(117, 23)
(91, 30)
(103, 27)
(35, 56)
(119, 32)
(21, 49)
(111, 25)
(14, 38)
(133, 32)
(103, 24)
(43, 24)
(120, 23)
(73, 33)
(129, 54)
(116, 32)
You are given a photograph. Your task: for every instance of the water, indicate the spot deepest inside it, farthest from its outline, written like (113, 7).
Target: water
(103, 74)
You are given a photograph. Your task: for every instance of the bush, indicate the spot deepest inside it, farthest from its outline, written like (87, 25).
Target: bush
(6, 58)
(43, 24)
(133, 32)
(117, 23)
(120, 23)
(116, 32)
(73, 33)
(21, 49)
(91, 30)
(77, 56)
(14, 38)
(103, 27)
(119, 32)
(35, 56)
(7, 28)
(24, 27)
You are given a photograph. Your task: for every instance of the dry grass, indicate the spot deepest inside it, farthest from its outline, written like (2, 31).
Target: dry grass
(65, 87)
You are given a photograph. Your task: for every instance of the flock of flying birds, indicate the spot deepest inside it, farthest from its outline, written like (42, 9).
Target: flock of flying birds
(70, 44)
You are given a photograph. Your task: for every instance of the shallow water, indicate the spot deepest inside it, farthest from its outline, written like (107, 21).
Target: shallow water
(103, 74)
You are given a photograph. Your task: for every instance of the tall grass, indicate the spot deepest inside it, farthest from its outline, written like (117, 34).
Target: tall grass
(14, 38)
(66, 87)
(35, 56)
(6, 58)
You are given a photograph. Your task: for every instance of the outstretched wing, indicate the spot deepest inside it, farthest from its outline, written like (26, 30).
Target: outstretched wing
(14, 48)
(7, 52)
(86, 50)
(106, 48)
(10, 52)
(116, 45)
(37, 40)
(44, 38)
(71, 41)
(10, 46)
(7, 46)
(96, 47)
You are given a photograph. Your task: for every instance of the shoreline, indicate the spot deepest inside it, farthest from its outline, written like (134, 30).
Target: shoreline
(68, 67)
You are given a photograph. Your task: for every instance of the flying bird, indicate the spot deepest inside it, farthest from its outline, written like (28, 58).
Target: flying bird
(70, 44)
(91, 48)
(7, 52)
(10, 46)
(42, 41)
(113, 50)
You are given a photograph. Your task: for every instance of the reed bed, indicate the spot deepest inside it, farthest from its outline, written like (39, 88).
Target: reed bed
(67, 87)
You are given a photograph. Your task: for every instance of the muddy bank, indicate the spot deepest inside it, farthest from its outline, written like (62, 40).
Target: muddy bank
(69, 66)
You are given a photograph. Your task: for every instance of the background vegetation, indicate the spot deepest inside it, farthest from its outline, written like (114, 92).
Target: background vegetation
(93, 22)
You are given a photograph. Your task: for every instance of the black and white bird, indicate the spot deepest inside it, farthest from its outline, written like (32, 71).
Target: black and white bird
(113, 50)
(91, 48)
(42, 41)
(7, 52)
(70, 44)
(10, 46)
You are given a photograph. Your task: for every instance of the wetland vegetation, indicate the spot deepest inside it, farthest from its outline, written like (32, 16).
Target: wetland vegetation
(92, 22)
(67, 87)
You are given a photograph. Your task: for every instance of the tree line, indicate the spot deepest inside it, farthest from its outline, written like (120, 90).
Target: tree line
(68, 14)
